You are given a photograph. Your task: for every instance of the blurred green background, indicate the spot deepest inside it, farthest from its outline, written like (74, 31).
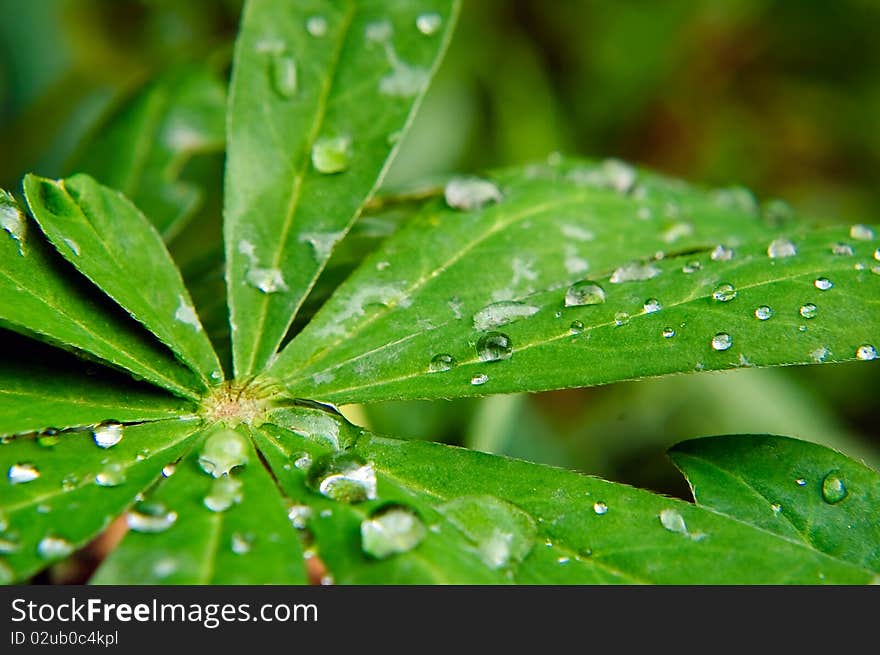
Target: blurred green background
(780, 96)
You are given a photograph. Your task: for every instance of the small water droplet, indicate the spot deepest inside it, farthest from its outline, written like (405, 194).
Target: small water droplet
(23, 472)
(150, 517)
(69, 482)
(317, 26)
(722, 254)
(112, 475)
(866, 352)
(776, 508)
(833, 488)
(223, 451)
(501, 313)
(668, 333)
(823, 283)
(12, 219)
(843, 249)
(52, 547)
(600, 508)
(225, 492)
(781, 248)
(107, 435)
(479, 378)
(241, 543)
(267, 280)
(583, 293)
(343, 477)
(801, 482)
(332, 154)
(691, 267)
(168, 470)
(9, 544)
(470, 193)
(441, 362)
(621, 318)
(494, 347)
(724, 292)
(877, 254)
(722, 341)
(809, 310)
(303, 462)
(299, 516)
(7, 575)
(763, 313)
(673, 521)
(634, 272)
(652, 305)
(284, 75)
(391, 530)
(48, 440)
(576, 327)
(861, 232)
(429, 23)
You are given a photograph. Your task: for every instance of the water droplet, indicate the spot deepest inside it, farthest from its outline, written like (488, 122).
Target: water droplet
(673, 521)
(299, 516)
(107, 435)
(862, 233)
(391, 530)
(112, 475)
(501, 313)
(441, 362)
(343, 477)
(843, 249)
(267, 280)
(23, 472)
(9, 544)
(7, 575)
(470, 193)
(479, 378)
(48, 440)
(722, 341)
(321, 242)
(809, 310)
(73, 246)
(801, 482)
(820, 354)
(823, 283)
(494, 347)
(576, 327)
(833, 488)
(303, 462)
(583, 293)
(668, 333)
(241, 543)
(763, 313)
(168, 470)
(54, 547)
(600, 508)
(429, 23)
(502, 534)
(652, 305)
(332, 154)
(284, 77)
(866, 352)
(776, 508)
(877, 254)
(619, 175)
(634, 272)
(691, 267)
(317, 26)
(150, 517)
(225, 492)
(222, 452)
(69, 482)
(724, 292)
(12, 219)
(722, 254)
(621, 318)
(781, 248)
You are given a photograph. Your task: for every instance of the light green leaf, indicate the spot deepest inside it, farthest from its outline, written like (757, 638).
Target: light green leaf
(42, 296)
(142, 148)
(104, 236)
(433, 291)
(800, 490)
(249, 542)
(488, 519)
(79, 490)
(319, 97)
(41, 388)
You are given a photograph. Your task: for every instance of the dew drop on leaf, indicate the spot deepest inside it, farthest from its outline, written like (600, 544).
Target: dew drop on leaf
(600, 508)
(866, 352)
(224, 493)
(332, 154)
(112, 475)
(861, 232)
(576, 327)
(343, 477)
(501, 313)
(23, 472)
(283, 70)
(691, 267)
(223, 451)
(823, 283)
(494, 347)
(470, 193)
(12, 220)
(833, 488)
(634, 272)
(781, 248)
(299, 516)
(722, 341)
(317, 26)
(722, 254)
(801, 482)
(842, 249)
(7, 575)
(168, 470)
(429, 23)
(652, 305)
(668, 332)
(776, 508)
(391, 530)
(724, 292)
(673, 521)
(52, 547)
(241, 543)
(479, 379)
(877, 254)
(441, 362)
(621, 318)
(107, 435)
(267, 280)
(763, 313)
(583, 293)
(809, 310)
(150, 517)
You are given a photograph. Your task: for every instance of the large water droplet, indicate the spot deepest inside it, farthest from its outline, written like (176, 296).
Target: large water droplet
(332, 154)
(823, 283)
(299, 516)
(150, 517)
(494, 346)
(724, 292)
(866, 352)
(583, 293)
(283, 71)
(809, 310)
(600, 508)
(344, 478)
(267, 280)
(112, 475)
(222, 452)
(479, 379)
(23, 472)
(502, 313)
(722, 341)
(862, 232)
(722, 254)
(441, 362)
(429, 23)
(501, 533)
(833, 488)
(781, 248)
(470, 193)
(763, 313)
(634, 272)
(225, 492)
(317, 26)
(52, 547)
(391, 530)
(107, 435)
(652, 305)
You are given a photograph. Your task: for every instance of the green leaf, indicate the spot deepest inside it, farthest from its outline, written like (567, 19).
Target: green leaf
(430, 291)
(81, 488)
(250, 542)
(107, 239)
(800, 490)
(319, 96)
(41, 388)
(143, 147)
(489, 519)
(42, 296)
